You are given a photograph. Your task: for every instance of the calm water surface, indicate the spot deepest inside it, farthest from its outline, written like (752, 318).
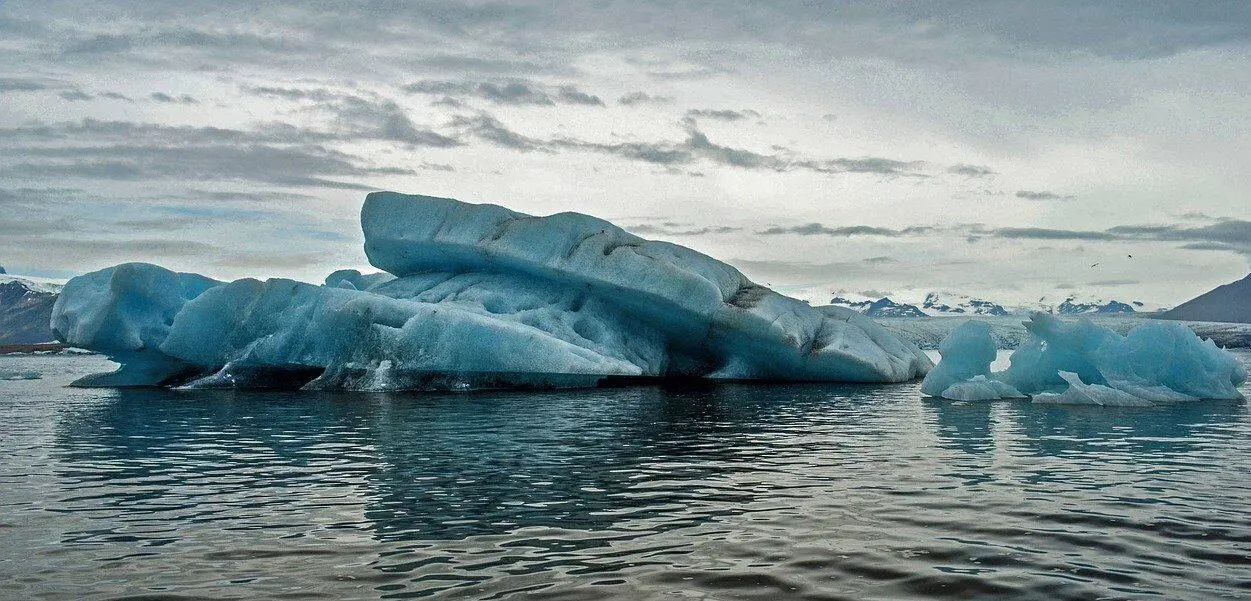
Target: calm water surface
(712, 492)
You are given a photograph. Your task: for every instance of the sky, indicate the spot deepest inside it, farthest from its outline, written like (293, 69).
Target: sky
(1008, 150)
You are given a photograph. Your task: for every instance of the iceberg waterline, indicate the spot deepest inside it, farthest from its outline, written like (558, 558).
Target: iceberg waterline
(1083, 363)
(474, 296)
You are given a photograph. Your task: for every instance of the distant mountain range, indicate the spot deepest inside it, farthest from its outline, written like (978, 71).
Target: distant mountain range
(883, 307)
(26, 310)
(946, 303)
(1229, 303)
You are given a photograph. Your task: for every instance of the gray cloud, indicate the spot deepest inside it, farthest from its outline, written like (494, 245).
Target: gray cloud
(1033, 195)
(166, 35)
(1064, 57)
(572, 95)
(971, 170)
(385, 120)
(696, 147)
(722, 114)
(135, 249)
(249, 196)
(486, 127)
(639, 98)
(766, 270)
(87, 230)
(21, 84)
(1058, 31)
(878, 165)
(131, 152)
(295, 94)
(507, 92)
(462, 63)
(269, 260)
(1232, 232)
(1038, 233)
(74, 95)
(818, 229)
(362, 116)
(1228, 235)
(689, 74)
(1112, 283)
(1207, 246)
(168, 99)
(677, 229)
(100, 44)
(654, 153)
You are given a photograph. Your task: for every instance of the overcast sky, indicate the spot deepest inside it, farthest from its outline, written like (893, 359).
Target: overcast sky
(995, 148)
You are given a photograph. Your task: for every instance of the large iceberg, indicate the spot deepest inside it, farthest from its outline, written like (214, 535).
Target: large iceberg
(474, 296)
(1084, 363)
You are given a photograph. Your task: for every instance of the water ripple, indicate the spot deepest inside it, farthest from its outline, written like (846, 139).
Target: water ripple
(713, 491)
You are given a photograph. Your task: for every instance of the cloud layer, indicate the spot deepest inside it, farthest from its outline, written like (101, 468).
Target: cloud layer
(867, 138)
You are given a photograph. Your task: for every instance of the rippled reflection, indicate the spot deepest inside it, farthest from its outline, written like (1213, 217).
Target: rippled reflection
(723, 491)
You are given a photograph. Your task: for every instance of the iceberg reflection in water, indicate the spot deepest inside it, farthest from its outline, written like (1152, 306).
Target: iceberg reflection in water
(753, 491)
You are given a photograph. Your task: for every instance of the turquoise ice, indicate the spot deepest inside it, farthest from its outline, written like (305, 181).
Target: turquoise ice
(1083, 363)
(475, 296)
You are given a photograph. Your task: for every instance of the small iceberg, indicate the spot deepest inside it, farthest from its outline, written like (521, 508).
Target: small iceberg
(472, 296)
(1082, 363)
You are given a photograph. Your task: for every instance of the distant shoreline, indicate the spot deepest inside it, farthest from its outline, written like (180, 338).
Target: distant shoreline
(31, 348)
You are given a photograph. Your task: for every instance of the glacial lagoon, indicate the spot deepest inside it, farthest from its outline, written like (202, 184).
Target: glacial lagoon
(701, 491)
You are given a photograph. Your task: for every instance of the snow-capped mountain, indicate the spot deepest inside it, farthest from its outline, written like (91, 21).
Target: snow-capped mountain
(947, 303)
(956, 304)
(935, 304)
(25, 310)
(1076, 304)
(883, 307)
(1072, 306)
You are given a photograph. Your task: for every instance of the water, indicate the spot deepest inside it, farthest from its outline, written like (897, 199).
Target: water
(707, 492)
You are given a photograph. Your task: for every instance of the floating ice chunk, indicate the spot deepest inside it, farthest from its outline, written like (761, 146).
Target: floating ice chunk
(1079, 393)
(980, 388)
(967, 352)
(1168, 354)
(125, 312)
(1156, 362)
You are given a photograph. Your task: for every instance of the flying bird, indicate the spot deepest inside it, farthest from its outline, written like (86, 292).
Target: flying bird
(1130, 256)
(1095, 265)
